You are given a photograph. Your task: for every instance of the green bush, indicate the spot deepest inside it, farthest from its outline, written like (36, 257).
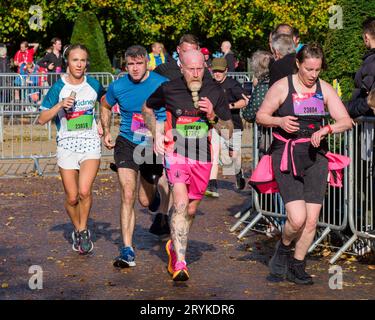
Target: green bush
(344, 48)
(88, 31)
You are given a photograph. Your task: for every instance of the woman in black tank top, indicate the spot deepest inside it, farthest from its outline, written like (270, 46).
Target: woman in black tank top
(296, 106)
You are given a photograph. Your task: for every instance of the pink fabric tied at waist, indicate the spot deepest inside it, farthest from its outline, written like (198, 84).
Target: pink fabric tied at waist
(263, 177)
(289, 146)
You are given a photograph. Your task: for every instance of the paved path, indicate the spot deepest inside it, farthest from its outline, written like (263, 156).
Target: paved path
(35, 231)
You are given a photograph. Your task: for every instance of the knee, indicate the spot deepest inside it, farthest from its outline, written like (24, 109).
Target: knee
(72, 199)
(297, 224)
(84, 194)
(128, 196)
(311, 225)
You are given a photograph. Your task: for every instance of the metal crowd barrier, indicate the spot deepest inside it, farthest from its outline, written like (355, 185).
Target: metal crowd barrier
(334, 214)
(361, 187)
(20, 98)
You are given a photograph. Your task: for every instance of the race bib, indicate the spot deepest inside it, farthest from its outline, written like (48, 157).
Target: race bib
(191, 127)
(138, 125)
(80, 120)
(308, 104)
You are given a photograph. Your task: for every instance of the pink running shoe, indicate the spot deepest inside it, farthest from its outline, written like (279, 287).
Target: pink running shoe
(171, 256)
(180, 272)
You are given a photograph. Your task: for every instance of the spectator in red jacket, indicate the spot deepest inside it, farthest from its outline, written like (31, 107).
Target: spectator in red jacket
(25, 54)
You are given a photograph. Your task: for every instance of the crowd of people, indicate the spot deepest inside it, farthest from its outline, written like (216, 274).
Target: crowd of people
(178, 117)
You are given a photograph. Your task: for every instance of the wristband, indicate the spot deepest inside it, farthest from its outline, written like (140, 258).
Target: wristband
(214, 120)
(329, 128)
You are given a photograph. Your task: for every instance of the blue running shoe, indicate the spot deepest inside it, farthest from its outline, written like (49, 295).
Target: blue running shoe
(126, 258)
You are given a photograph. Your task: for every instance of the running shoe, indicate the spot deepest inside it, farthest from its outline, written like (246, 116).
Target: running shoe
(85, 243)
(126, 258)
(172, 258)
(280, 261)
(180, 271)
(297, 274)
(240, 181)
(160, 225)
(76, 239)
(211, 190)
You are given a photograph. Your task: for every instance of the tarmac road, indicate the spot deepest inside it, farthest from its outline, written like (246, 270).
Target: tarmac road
(34, 230)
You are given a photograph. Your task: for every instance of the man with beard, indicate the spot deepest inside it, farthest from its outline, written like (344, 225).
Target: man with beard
(185, 145)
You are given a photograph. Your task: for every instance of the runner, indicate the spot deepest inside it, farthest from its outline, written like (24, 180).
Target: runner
(71, 103)
(295, 107)
(184, 141)
(132, 146)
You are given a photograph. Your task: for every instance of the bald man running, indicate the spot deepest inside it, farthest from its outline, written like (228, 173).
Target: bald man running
(185, 144)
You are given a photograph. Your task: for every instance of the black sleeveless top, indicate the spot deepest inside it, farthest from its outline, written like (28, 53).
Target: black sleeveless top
(307, 107)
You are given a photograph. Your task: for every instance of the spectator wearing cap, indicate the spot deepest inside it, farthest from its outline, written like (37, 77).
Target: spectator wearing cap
(234, 94)
(207, 59)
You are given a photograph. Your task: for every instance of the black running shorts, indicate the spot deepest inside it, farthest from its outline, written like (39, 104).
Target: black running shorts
(138, 158)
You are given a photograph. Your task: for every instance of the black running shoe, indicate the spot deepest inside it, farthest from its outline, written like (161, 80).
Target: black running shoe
(211, 190)
(240, 181)
(297, 274)
(155, 204)
(280, 261)
(160, 225)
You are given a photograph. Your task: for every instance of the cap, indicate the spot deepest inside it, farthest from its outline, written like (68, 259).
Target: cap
(219, 64)
(205, 51)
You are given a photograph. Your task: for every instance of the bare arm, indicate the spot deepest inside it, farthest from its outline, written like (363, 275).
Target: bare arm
(238, 104)
(105, 119)
(275, 96)
(47, 115)
(337, 111)
(156, 128)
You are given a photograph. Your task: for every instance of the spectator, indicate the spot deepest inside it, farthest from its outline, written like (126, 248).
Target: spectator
(4, 68)
(207, 59)
(157, 56)
(364, 79)
(53, 60)
(287, 29)
(4, 60)
(29, 72)
(260, 64)
(284, 52)
(172, 69)
(229, 56)
(25, 54)
(234, 95)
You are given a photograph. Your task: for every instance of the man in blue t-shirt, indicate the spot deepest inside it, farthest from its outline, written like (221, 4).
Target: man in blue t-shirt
(133, 149)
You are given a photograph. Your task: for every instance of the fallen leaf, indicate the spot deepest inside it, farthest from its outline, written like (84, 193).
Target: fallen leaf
(5, 285)
(371, 267)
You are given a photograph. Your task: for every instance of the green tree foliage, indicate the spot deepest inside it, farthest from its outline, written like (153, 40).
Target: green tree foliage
(246, 23)
(87, 31)
(344, 48)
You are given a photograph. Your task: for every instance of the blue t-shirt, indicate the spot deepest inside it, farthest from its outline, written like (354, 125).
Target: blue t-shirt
(131, 96)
